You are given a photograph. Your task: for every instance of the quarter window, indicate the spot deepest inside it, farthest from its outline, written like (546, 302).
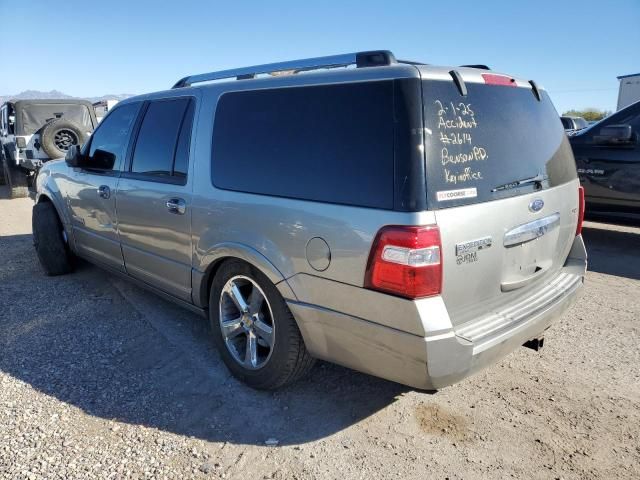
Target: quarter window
(330, 143)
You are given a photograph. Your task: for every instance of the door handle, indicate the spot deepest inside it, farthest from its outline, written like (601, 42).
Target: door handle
(104, 191)
(509, 286)
(176, 205)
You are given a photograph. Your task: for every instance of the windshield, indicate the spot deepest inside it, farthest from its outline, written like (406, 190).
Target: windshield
(34, 116)
(496, 136)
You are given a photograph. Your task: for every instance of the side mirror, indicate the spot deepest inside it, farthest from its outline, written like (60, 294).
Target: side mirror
(103, 160)
(614, 134)
(74, 157)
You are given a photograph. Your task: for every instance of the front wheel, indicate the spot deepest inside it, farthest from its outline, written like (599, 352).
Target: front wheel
(256, 334)
(50, 240)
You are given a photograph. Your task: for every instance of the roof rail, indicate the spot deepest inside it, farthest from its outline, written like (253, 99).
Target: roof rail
(374, 58)
(479, 66)
(410, 62)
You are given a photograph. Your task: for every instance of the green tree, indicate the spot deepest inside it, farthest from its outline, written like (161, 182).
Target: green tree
(589, 114)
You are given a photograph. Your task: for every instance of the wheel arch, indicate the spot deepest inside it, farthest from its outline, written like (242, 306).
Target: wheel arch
(47, 195)
(202, 278)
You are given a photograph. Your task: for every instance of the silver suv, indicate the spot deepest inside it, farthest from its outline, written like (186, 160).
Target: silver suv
(413, 222)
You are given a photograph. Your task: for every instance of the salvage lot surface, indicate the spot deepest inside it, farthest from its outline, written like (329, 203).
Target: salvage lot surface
(100, 379)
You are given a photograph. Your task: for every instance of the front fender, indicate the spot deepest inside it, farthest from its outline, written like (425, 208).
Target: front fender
(47, 189)
(204, 272)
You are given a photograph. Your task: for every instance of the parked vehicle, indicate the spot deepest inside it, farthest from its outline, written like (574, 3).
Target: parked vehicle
(35, 131)
(409, 221)
(571, 124)
(608, 161)
(101, 107)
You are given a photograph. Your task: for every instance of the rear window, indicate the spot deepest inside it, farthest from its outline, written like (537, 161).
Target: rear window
(330, 143)
(480, 145)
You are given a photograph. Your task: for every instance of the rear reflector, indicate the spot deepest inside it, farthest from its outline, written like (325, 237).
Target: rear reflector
(580, 210)
(493, 79)
(405, 261)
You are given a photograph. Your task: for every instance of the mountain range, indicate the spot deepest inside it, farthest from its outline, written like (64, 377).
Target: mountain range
(32, 94)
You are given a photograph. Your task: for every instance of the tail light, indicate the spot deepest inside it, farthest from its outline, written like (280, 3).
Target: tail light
(580, 210)
(493, 79)
(406, 261)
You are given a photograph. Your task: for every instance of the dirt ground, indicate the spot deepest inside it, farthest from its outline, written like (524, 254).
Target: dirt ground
(99, 379)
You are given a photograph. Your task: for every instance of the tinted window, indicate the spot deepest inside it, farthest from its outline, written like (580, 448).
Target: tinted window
(567, 123)
(181, 163)
(630, 116)
(326, 143)
(480, 145)
(156, 143)
(109, 142)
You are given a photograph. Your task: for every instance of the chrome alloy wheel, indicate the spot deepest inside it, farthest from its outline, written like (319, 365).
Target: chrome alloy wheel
(246, 322)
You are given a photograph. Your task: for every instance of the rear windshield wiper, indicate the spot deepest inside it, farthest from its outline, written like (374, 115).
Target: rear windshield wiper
(538, 179)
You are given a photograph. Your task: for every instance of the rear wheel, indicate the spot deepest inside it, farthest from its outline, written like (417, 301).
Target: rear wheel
(50, 240)
(3, 178)
(254, 330)
(15, 178)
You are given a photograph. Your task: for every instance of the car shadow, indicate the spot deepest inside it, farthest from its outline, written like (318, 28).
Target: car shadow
(117, 352)
(613, 251)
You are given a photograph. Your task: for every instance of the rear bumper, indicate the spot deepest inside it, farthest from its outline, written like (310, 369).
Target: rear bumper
(443, 355)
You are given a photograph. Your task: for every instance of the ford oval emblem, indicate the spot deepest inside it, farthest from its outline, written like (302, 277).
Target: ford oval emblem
(536, 205)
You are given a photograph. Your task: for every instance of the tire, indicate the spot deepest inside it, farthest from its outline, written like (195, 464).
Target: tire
(57, 136)
(3, 177)
(16, 179)
(48, 239)
(287, 360)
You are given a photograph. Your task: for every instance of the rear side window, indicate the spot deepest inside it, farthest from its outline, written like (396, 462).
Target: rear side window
(157, 142)
(330, 143)
(479, 146)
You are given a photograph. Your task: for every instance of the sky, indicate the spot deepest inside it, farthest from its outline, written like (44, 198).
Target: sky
(82, 48)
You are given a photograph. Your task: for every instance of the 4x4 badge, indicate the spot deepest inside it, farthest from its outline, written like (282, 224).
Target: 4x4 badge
(536, 205)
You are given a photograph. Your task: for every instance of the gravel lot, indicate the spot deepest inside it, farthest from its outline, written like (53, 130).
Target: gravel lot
(99, 379)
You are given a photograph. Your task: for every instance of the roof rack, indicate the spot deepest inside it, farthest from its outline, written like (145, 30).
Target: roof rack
(479, 66)
(374, 58)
